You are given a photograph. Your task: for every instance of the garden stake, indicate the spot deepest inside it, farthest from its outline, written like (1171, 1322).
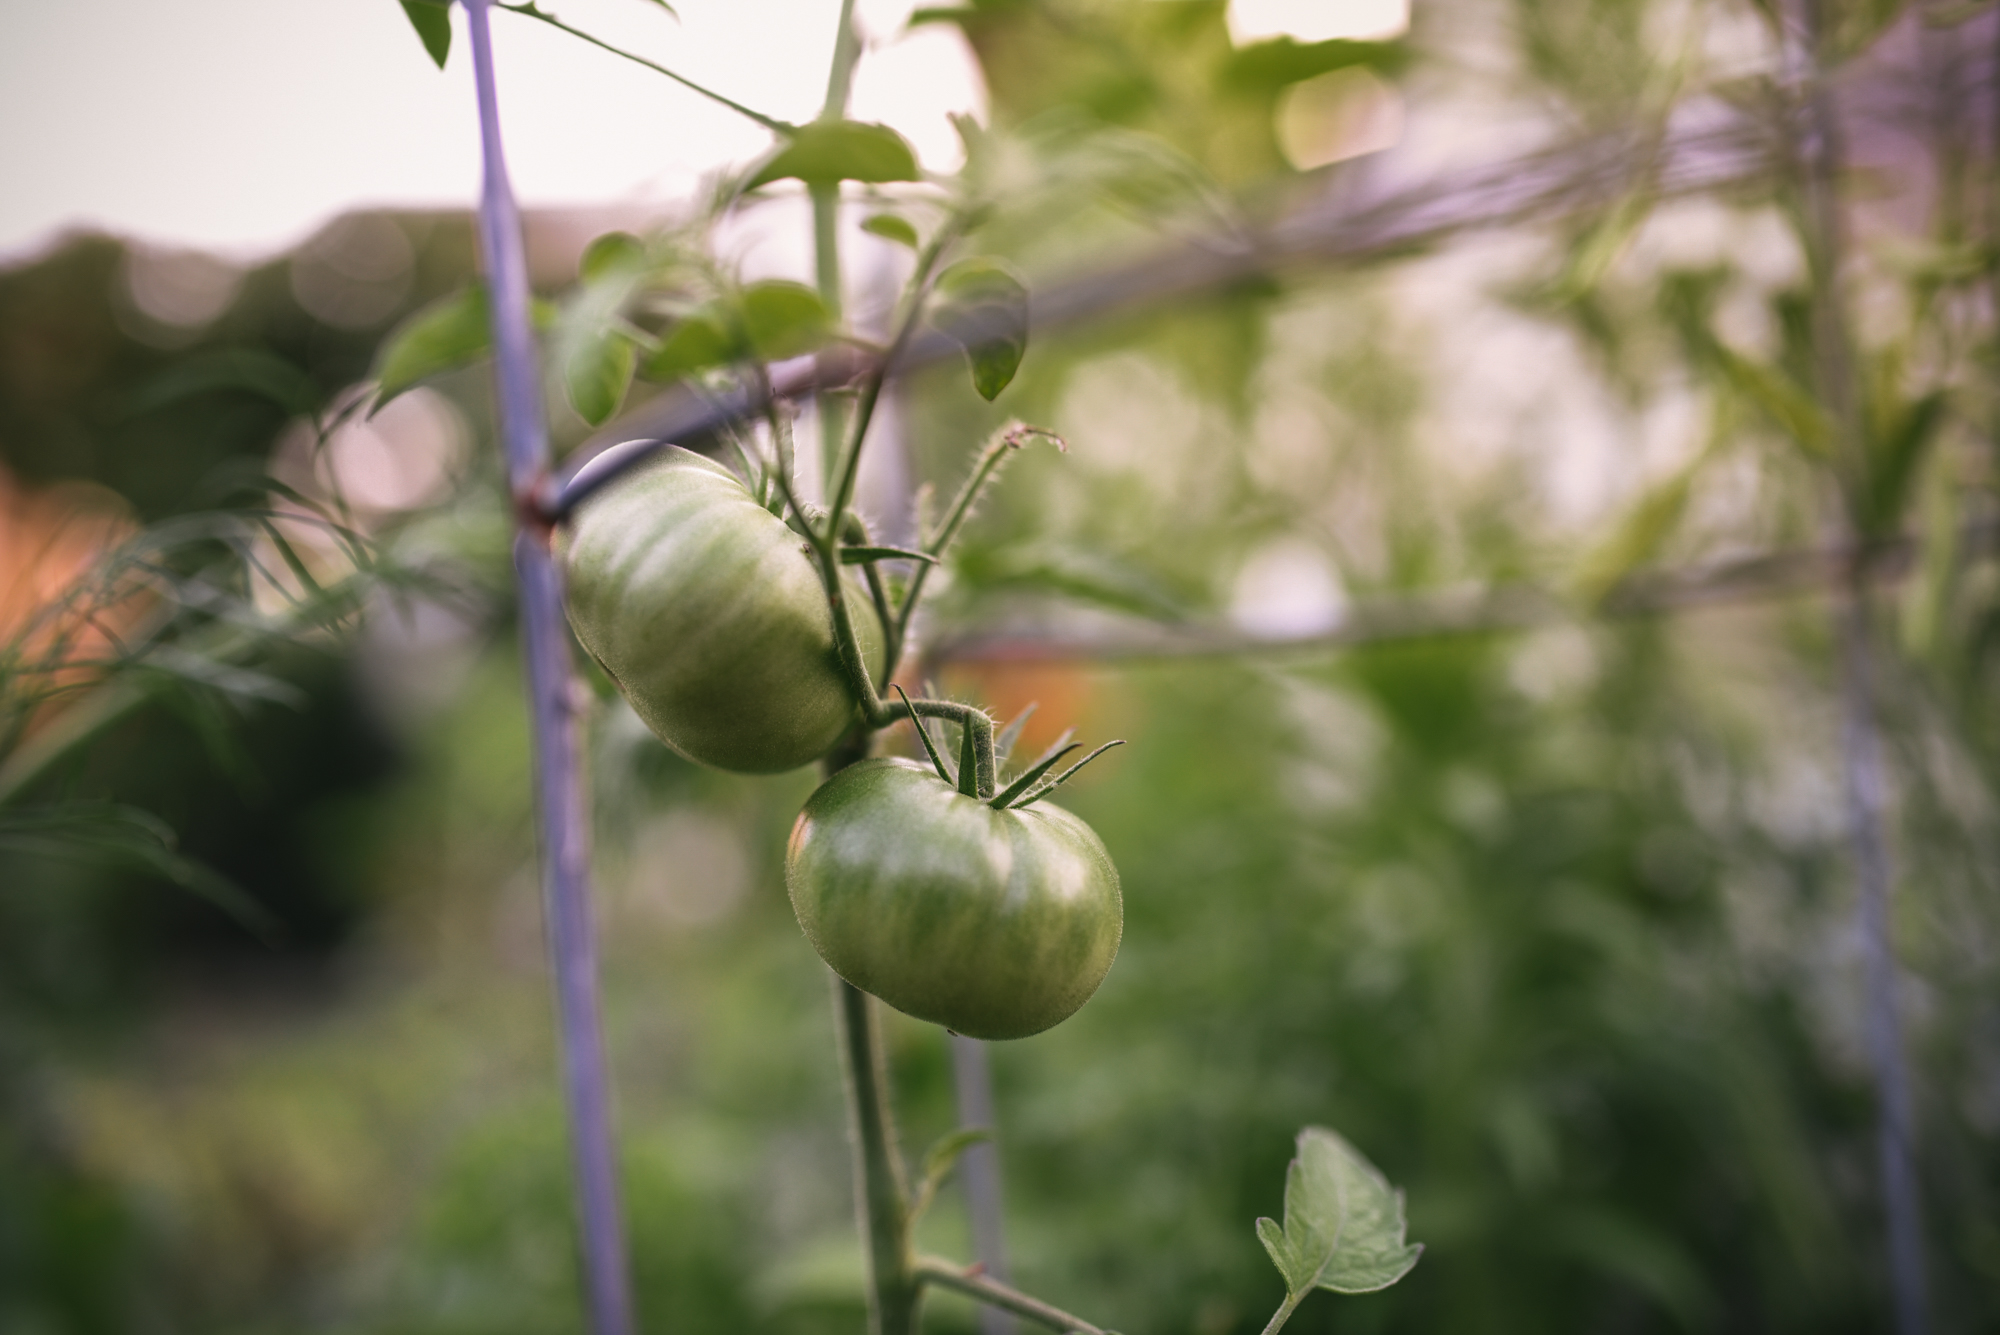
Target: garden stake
(552, 688)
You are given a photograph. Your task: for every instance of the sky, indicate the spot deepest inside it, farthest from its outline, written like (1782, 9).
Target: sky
(241, 126)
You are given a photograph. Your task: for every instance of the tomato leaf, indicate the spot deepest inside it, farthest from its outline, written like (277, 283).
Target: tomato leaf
(598, 372)
(1268, 66)
(855, 556)
(611, 253)
(828, 152)
(984, 307)
(939, 1162)
(1343, 1226)
(432, 21)
(696, 344)
(784, 319)
(441, 337)
(891, 228)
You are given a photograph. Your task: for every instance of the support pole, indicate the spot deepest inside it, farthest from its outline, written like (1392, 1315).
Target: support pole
(564, 817)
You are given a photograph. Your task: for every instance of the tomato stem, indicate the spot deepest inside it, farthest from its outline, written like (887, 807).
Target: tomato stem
(970, 1281)
(882, 1196)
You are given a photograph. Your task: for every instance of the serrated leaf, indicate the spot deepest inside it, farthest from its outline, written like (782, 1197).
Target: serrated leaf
(891, 228)
(984, 307)
(597, 373)
(433, 24)
(1343, 1226)
(784, 319)
(613, 252)
(441, 337)
(828, 152)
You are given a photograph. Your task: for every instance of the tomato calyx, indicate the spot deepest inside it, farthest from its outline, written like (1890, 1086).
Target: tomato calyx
(1030, 786)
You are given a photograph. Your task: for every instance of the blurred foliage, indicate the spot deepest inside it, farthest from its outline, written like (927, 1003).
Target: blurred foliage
(1556, 927)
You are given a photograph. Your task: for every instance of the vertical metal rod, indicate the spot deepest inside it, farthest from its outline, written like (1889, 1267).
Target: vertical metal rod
(1821, 154)
(979, 1172)
(560, 800)
(1867, 814)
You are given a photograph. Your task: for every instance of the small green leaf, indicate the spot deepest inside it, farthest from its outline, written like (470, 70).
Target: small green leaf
(784, 319)
(828, 152)
(612, 253)
(985, 308)
(1032, 775)
(1343, 1225)
(1283, 61)
(891, 228)
(939, 1162)
(855, 556)
(597, 373)
(1068, 774)
(1003, 745)
(695, 344)
(432, 21)
(441, 337)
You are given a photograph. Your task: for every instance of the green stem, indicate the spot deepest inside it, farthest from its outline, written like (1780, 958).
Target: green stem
(771, 123)
(954, 519)
(881, 1195)
(974, 1284)
(1284, 1312)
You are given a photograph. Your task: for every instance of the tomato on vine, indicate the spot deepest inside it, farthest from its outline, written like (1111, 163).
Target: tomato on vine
(996, 918)
(711, 616)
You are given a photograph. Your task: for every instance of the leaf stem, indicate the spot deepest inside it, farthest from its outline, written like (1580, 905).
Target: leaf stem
(529, 9)
(1284, 1312)
(975, 1284)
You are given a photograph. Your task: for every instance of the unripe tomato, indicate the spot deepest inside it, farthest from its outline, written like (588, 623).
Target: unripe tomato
(710, 615)
(996, 924)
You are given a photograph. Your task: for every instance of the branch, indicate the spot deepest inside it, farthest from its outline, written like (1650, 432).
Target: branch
(1477, 611)
(970, 1281)
(771, 123)
(1332, 229)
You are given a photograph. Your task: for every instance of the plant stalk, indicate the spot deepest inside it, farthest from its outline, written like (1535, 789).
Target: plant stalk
(971, 1282)
(552, 693)
(881, 1195)
(1284, 1312)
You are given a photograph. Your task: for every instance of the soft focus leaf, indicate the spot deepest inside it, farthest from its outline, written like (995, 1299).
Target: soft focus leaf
(985, 308)
(891, 228)
(695, 344)
(827, 152)
(611, 253)
(1267, 66)
(1343, 1225)
(784, 319)
(433, 24)
(597, 373)
(441, 337)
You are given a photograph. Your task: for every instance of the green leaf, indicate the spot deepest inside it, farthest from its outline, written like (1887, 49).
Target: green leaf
(695, 344)
(1268, 66)
(597, 373)
(891, 228)
(441, 337)
(939, 1162)
(1343, 1225)
(432, 21)
(855, 556)
(827, 152)
(982, 305)
(784, 319)
(614, 252)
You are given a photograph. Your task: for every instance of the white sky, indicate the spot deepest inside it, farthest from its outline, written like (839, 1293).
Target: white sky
(242, 125)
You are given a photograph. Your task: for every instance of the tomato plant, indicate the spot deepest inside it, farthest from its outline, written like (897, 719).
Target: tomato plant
(994, 922)
(709, 614)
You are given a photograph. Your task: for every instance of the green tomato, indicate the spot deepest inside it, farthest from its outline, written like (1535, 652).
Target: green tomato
(710, 615)
(996, 924)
